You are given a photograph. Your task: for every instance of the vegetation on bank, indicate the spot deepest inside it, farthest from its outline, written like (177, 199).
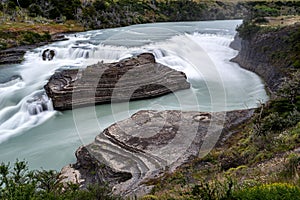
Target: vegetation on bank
(260, 161)
(27, 31)
(19, 183)
(54, 16)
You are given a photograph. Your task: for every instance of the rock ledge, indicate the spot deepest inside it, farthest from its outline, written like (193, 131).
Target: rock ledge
(131, 79)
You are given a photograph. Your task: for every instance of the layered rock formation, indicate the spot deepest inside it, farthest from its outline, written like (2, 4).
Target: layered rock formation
(131, 79)
(268, 53)
(150, 143)
(15, 55)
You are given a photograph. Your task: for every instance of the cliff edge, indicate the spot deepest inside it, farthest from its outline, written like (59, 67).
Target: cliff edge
(270, 52)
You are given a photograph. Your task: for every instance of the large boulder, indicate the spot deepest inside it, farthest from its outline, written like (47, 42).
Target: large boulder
(149, 144)
(130, 79)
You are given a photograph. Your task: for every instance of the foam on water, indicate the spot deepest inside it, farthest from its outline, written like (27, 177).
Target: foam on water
(31, 111)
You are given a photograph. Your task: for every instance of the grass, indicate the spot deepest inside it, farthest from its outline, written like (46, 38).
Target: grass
(282, 20)
(26, 30)
(52, 28)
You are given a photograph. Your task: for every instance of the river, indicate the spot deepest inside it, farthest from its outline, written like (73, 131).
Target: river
(49, 138)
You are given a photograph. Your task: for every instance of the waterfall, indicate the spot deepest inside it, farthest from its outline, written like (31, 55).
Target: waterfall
(30, 128)
(39, 104)
(31, 111)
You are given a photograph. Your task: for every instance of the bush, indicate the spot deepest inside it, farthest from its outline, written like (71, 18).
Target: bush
(19, 183)
(292, 167)
(149, 197)
(283, 111)
(35, 10)
(213, 190)
(247, 29)
(263, 10)
(296, 64)
(275, 191)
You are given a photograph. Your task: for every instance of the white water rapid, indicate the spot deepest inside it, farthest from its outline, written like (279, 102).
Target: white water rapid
(30, 129)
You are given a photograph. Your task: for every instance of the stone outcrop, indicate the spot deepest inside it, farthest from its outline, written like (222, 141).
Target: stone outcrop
(130, 79)
(267, 54)
(150, 143)
(48, 54)
(15, 55)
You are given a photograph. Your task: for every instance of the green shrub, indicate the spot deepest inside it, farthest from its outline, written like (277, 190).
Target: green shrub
(19, 183)
(213, 190)
(292, 166)
(296, 64)
(275, 191)
(35, 10)
(3, 45)
(264, 10)
(149, 197)
(29, 37)
(247, 29)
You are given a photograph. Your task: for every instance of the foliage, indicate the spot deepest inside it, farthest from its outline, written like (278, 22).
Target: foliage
(264, 10)
(283, 111)
(149, 197)
(29, 37)
(19, 183)
(275, 191)
(292, 166)
(50, 9)
(229, 189)
(247, 29)
(272, 8)
(213, 190)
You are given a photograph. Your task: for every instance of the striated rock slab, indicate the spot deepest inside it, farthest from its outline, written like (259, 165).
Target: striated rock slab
(15, 55)
(131, 79)
(149, 144)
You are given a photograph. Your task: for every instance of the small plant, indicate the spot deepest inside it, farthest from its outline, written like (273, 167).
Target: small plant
(207, 190)
(292, 166)
(149, 197)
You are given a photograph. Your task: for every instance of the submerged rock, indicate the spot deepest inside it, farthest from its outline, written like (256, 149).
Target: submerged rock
(150, 143)
(48, 54)
(131, 79)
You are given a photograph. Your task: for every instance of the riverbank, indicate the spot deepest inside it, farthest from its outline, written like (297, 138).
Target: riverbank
(272, 62)
(31, 24)
(16, 38)
(264, 151)
(259, 148)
